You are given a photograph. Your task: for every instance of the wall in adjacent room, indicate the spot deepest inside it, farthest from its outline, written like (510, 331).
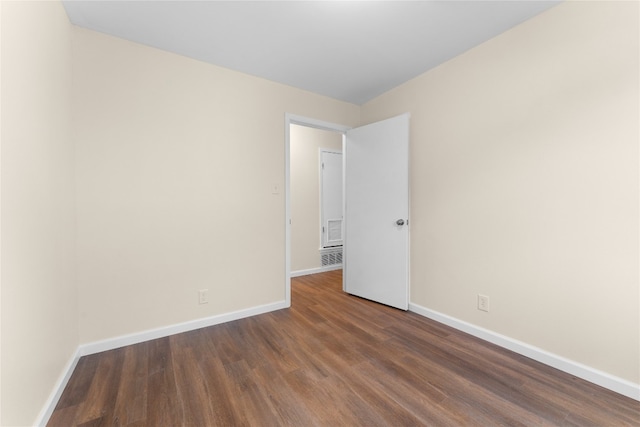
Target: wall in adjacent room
(39, 292)
(306, 143)
(176, 161)
(524, 180)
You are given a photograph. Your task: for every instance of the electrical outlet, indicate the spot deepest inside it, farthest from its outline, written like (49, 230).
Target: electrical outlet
(483, 302)
(203, 296)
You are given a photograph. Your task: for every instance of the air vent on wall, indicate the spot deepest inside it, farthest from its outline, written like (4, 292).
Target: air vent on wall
(331, 256)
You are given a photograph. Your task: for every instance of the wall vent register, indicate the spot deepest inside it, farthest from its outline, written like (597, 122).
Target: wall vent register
(331, 256)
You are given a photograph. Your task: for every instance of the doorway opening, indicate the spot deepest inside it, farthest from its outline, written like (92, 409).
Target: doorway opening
(375, 206)
(316, 200)
(304, 140)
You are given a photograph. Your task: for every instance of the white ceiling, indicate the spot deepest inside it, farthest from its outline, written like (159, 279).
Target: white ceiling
(347, 50)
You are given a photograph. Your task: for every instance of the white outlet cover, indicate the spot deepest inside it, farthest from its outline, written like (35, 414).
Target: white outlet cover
(483, 303)
(203, 296)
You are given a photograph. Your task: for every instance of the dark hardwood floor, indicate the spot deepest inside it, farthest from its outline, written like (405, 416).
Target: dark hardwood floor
(330, 360)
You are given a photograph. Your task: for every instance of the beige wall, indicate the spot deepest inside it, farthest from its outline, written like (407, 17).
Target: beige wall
(525, 184)
(0, 213)
(305, 193)
(176, 160)
(39, 292)
(524, 187)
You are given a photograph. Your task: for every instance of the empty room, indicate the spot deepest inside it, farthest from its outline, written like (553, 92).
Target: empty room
(479, 265)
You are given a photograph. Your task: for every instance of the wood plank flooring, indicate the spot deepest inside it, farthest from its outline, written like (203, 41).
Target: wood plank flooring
(330, 360)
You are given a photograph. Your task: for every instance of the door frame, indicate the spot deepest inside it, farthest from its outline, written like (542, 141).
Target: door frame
(292, 119)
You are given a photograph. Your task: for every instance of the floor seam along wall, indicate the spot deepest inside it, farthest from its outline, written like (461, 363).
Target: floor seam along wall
(135, 338)
(587, 373)
(579, 370)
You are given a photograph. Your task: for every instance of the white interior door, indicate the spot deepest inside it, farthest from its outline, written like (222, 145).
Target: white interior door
(376, 234)
(331, 186)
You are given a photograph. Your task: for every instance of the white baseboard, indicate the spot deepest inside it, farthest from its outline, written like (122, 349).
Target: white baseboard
(52, 401)
(579, 370)
(124, 340)
(306, 272)
(587, 373)
(138, 337)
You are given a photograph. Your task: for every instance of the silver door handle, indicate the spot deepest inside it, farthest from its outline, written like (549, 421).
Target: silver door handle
(400, 222)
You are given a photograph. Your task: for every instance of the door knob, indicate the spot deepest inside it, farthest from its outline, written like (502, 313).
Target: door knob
(400, 222)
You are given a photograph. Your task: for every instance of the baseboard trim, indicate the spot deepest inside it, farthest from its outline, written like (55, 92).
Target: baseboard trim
(579, 370)
(124, 340)
(52, 401)
(308, 271)
(587, 373)
(138, 337)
